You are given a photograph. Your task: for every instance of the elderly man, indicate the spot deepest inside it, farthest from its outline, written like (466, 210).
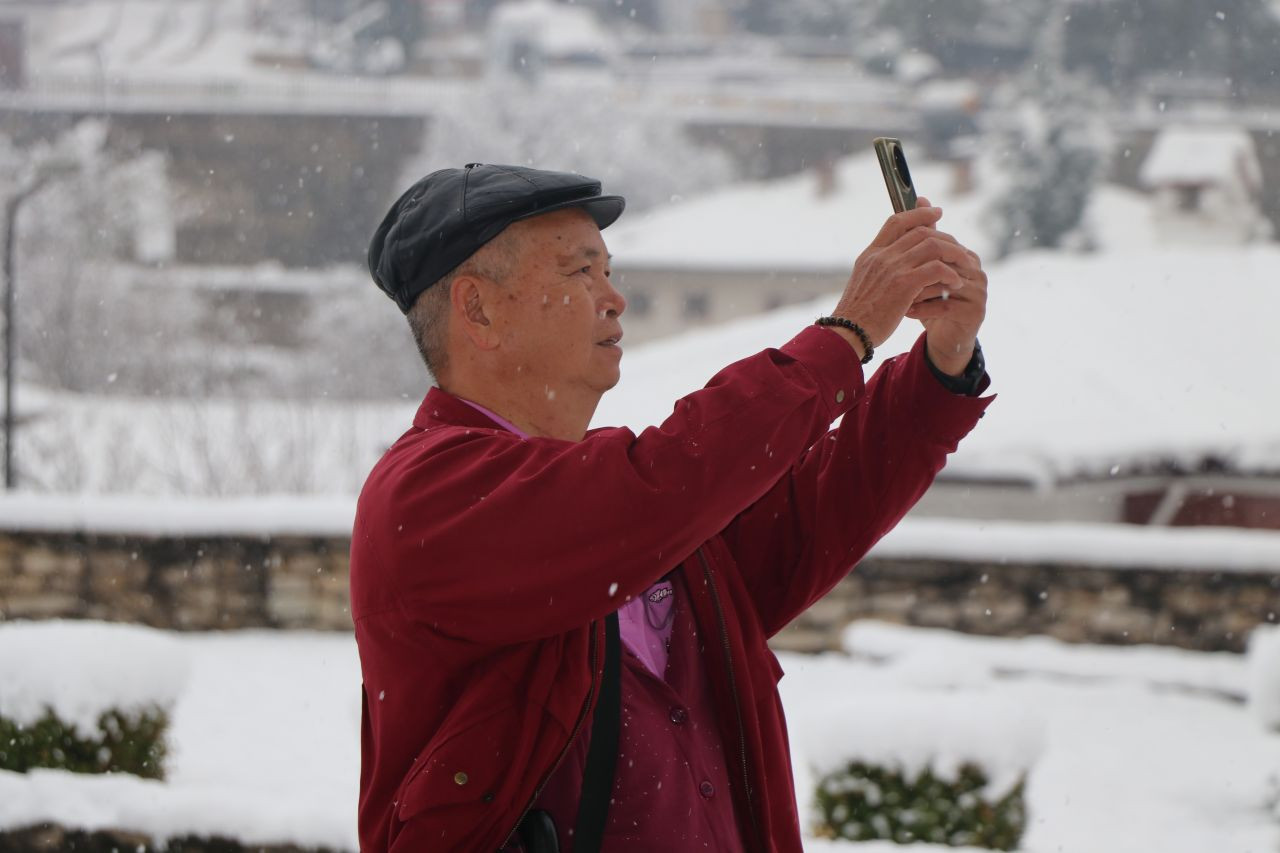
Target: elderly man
(501, 550)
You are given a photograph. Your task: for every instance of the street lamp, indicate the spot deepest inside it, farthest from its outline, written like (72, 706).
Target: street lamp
(29, 188)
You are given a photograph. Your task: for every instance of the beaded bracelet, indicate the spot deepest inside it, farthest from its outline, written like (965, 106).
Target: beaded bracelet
(853, 327)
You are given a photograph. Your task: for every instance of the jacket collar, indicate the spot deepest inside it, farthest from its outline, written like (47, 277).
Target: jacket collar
(440, 408)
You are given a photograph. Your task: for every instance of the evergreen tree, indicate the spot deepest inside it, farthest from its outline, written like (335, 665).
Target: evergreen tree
(1054, 156)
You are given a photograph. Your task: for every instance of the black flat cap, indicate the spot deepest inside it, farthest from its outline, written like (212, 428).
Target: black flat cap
(445, 217)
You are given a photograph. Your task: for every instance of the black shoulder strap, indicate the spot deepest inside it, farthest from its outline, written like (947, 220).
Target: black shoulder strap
(602, 754)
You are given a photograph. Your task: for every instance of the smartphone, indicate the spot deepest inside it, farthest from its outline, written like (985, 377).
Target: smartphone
(897, 177)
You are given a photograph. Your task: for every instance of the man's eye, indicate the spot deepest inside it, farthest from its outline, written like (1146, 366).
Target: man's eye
(585, 270)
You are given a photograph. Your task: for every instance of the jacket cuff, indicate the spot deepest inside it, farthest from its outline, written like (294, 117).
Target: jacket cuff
(833, 365)
(939, 415)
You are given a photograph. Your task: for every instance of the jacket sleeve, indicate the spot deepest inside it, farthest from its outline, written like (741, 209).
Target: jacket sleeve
(851, 488)
(493, 538)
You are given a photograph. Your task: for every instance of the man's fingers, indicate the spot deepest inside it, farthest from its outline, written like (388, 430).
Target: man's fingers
(931, 248)
(938, 291)
(932, 273)
(934, 308)
(900, 223)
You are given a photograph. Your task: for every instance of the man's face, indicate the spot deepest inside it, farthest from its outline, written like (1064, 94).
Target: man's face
(558, 311)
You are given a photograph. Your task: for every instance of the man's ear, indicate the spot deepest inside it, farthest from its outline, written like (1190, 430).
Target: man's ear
(471, 301)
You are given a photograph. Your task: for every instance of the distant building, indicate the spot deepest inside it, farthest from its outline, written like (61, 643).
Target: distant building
(1208, 184)
(526, 36)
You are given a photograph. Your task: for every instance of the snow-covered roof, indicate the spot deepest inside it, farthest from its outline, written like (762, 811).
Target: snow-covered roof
(179, 37)
(559, 30)
(1202, 155)
(1110, 359)
(785, 225)
(781, 224)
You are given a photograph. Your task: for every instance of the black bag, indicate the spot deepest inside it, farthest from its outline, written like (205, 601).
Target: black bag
(537, 831)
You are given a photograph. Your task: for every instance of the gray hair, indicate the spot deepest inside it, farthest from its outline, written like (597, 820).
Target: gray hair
(429, 316)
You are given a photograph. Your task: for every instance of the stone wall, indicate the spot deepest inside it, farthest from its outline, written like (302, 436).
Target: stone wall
(197, 583)
(246, 581)
(1193, 609)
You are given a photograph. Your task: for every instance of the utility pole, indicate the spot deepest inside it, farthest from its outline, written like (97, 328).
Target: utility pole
(12, 207)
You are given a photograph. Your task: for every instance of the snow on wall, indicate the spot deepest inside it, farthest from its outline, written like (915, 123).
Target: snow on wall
(1201, 548)
(81, 669)
(266, 516)
(1113, 545)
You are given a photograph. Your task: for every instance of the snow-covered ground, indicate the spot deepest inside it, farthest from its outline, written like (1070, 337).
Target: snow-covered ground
(1133, 749)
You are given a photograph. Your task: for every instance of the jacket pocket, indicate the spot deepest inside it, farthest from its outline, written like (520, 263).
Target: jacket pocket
(464, 765)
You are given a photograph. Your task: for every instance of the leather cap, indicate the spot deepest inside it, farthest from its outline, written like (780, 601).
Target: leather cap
(445, 217)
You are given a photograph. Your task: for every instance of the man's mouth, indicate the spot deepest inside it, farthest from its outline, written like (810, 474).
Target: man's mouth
(610, 341)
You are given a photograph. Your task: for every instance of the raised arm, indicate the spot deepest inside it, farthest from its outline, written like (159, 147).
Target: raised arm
(486, 535)
(852, 487)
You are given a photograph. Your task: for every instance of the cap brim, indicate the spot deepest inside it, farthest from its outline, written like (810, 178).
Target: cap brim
(604, 209)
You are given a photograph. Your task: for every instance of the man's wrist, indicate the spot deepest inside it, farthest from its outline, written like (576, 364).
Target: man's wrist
(851, 332)
(968, 380)
(950, 360)
(851, 338)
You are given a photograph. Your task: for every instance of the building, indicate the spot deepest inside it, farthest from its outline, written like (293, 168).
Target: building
(1208, 184)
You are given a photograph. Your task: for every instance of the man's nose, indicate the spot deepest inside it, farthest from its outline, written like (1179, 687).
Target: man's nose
(612, 302)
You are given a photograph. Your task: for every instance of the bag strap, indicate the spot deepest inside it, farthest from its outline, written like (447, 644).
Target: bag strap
(602, 754)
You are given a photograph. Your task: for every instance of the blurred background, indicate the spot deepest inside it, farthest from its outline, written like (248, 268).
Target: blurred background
(199, 373)
(194, 181)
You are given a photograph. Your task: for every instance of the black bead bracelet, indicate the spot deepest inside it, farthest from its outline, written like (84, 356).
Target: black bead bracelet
(853, 327)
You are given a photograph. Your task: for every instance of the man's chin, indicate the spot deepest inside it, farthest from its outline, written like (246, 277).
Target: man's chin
(608, 381)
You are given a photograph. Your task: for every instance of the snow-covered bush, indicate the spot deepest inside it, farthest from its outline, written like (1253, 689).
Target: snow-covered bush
(122, 743)
(866, 802)
(920, 766)
(87, 697)
(1264, 674)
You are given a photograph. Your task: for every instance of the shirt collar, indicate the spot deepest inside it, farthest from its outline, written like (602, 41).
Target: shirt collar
(440, 408)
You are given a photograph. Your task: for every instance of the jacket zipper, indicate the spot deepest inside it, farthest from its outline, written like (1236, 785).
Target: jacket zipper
(733, 689)
(582, 716)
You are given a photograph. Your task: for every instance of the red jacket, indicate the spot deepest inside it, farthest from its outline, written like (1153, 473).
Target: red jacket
(482, 565)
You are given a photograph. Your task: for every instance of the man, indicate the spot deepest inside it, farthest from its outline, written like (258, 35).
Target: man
(496, 535)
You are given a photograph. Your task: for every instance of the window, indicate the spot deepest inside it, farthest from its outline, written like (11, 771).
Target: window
(697, 306)
(639, 303)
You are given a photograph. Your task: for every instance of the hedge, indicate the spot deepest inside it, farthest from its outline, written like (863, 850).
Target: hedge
(50, 837)
(865, 802)
(122, 743)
